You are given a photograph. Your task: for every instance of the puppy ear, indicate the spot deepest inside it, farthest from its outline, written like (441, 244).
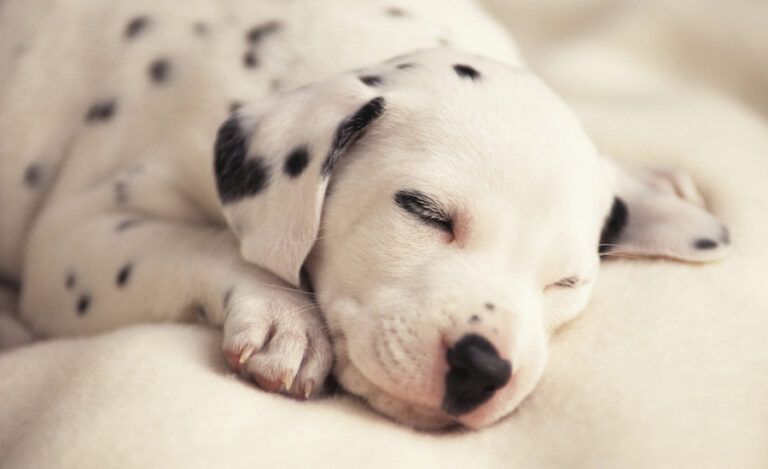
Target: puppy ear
(659, 213)
(272, 164)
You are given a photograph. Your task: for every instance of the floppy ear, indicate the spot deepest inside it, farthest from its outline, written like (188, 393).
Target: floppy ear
(272, 165)
(659, 213)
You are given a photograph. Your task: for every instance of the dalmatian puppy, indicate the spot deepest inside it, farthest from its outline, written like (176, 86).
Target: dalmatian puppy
(377, 189)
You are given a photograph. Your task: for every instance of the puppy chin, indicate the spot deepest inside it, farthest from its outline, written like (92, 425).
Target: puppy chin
(413, 415)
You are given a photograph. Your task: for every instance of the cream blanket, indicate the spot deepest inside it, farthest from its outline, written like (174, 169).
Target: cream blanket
(668, 366)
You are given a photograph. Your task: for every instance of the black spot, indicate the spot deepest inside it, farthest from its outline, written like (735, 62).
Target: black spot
(258, 32)
(70, 280)
(474, 319)
(200, 313)
(406, 66)
(296, 161)
(101, 111)
(465, 71)
(395, 12)
(159, 70)
(200, 28)
(250, 60)
(490, 306)
(33, 175)
(614, 225)
(123, 275)
(371, 80)
(705, 243)
(83, 303)
(351, 129)
(136, 26)
(127, 224)
(234, 106)
(121, 192)
(237, 177)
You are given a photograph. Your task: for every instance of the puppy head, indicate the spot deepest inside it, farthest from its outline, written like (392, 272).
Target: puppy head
(449, 211)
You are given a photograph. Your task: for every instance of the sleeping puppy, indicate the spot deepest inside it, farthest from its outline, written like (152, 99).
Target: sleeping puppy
(421, 225)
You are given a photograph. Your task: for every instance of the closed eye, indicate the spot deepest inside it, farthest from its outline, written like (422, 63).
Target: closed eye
(425, 208)
(566, 282)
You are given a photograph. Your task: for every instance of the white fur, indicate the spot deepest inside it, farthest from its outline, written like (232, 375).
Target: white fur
(528, 191)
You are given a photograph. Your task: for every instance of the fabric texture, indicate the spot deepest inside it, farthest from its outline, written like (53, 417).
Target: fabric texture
(667, 367)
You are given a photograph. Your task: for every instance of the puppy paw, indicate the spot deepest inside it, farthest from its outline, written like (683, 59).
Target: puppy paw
(280, 343)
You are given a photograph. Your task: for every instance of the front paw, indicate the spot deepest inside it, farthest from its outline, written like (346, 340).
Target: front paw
(280, 342)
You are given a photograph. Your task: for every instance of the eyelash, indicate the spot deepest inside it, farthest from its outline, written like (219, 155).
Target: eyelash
(425, 208)
(565, 282)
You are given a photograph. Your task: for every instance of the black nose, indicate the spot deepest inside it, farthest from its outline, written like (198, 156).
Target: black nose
(476, 372)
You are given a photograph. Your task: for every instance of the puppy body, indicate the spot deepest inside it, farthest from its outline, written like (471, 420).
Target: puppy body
(121, 203)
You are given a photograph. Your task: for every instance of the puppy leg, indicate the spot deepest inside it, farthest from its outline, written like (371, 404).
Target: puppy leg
(105, 271)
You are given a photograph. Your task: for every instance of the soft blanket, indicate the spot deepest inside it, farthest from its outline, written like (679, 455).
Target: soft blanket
(667, 367)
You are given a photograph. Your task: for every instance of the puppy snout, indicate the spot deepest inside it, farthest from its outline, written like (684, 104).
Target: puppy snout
(476, 372)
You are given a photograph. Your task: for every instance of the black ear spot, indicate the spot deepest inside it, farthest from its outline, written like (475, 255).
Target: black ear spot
(614, 225)
(136, 26)
(465, 71)
(297, 161)
(351, 129)
(371, 80)
(237, 177)
(705, 244)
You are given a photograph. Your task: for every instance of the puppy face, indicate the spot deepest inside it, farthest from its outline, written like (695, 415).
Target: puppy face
(454, 210)
(457, 233)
